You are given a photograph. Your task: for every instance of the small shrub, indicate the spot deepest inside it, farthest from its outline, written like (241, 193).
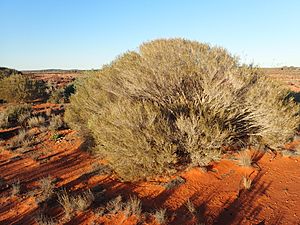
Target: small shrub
(115, 205)
(6, 72)
(56, 123)
(175, 104)
(20, 88)
(14, 115)
(174, 183)
(68, 91)
(83, 201)
(36, 121)
(57, 96)
(62, 95)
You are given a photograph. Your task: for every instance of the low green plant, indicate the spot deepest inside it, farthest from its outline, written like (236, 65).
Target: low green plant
(175, 104)
(56, 136)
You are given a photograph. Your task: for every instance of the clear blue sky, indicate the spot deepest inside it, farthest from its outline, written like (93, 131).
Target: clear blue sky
(40, 34)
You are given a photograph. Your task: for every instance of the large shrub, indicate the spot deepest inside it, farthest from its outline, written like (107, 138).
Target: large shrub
(20, 88)
(177, 103)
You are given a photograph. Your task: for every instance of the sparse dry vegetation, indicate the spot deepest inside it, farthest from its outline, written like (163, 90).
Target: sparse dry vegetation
(176, 103)
(78, 202)
(22, 140)
(133, 207)
(43, 220)
(47, 188)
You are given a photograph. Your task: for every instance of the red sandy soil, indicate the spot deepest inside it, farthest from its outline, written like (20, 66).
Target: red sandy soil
(58, 78)
(217, 194)
(290, 76)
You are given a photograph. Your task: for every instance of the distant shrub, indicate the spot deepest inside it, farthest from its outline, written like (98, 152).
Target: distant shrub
(56, 96)
(176, 103)
(61, 95)
(6, 72)
(20, 88)
(14, 115)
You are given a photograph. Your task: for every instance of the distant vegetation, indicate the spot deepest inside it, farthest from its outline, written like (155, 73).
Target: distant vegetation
(20, 88)
(177, 103)
(6, 72)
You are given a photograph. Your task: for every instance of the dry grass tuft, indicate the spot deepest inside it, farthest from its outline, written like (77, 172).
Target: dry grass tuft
(65, 201)
(47, 188)
(115, 205)
(245, 159)
(246, 182)
(133, 207)
(160, 216)
(36, 121)
(83, 200)
(72, 203)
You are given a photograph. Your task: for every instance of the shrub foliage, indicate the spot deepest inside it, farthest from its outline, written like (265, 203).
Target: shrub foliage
(177, 103)
(20, 88)
(14, 115)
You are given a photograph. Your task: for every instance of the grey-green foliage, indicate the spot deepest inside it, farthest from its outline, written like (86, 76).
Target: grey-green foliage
(176, 103)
